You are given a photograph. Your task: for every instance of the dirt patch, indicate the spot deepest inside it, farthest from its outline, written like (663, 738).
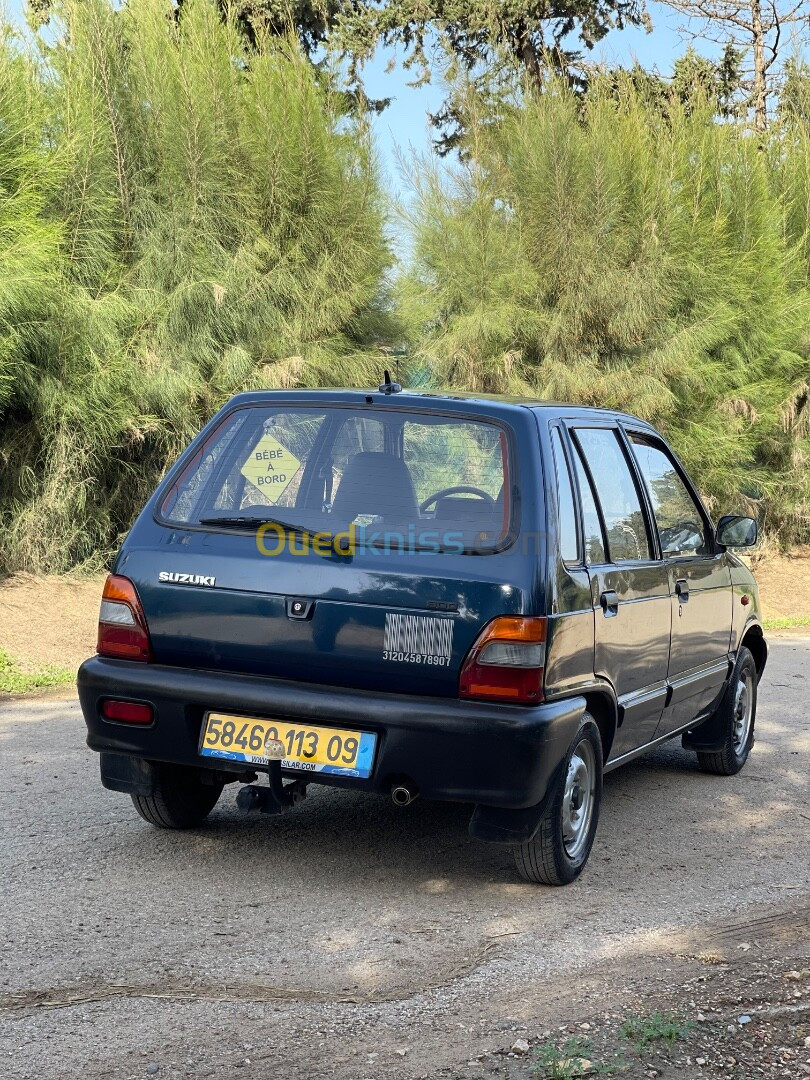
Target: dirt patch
(743, 1020)
(784, 583)
(49, 620)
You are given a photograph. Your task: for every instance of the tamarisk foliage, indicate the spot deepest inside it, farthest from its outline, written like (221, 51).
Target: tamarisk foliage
(186, 212)
(612, 252)
(183, 215)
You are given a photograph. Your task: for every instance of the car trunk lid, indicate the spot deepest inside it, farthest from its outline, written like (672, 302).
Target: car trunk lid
(406, 628)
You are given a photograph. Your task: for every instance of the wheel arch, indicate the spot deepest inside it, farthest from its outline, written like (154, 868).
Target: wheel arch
(754, 640)
(603, 708)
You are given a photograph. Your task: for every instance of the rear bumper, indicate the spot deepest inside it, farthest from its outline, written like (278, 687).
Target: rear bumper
(494, 755)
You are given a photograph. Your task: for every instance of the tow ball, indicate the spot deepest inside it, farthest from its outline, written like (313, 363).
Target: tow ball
(278, 797)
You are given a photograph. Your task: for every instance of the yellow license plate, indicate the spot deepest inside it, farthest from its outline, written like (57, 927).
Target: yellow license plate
(306, 747)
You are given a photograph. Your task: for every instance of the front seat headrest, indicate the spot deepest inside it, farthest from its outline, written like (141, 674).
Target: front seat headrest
(378, 484)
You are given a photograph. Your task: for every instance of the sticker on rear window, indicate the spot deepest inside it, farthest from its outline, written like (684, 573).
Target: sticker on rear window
(270, 467)
(418, 639)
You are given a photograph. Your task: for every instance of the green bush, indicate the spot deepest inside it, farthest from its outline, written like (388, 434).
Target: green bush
(14, 681)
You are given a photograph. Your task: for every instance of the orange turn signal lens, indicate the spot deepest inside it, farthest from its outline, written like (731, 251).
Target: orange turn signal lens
(514, 628)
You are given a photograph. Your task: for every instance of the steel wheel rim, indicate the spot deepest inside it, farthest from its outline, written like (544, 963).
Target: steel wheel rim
(743, 713)
(579, 799)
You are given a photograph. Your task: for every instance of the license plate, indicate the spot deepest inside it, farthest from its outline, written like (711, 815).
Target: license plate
(307, 748)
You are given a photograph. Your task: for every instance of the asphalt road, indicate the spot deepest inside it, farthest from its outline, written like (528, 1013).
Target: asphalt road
(354, 939)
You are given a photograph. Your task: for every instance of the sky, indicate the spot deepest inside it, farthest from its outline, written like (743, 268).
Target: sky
(405, 122)
(405, 125)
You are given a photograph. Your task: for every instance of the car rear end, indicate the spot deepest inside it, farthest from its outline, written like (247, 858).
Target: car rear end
(351, 584)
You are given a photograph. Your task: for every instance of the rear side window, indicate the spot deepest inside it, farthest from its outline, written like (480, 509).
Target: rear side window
(591, 525)
(681, 528)
(617, 493)
(404, 473)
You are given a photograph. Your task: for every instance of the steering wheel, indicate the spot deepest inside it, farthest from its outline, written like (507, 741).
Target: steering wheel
(672, 538)
(460, 489)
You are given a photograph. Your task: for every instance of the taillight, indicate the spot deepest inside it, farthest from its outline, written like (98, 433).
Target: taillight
(122, 630)
(506, 662)
(127, 712)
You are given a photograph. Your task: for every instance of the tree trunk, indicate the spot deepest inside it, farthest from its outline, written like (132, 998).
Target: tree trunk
(760, 86)
(527, 54)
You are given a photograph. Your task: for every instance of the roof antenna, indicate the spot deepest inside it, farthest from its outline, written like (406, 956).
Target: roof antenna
(388, 387)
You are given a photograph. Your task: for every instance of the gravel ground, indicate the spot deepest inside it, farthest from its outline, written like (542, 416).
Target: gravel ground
(356, 940)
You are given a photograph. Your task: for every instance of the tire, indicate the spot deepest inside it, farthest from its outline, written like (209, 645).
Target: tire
(180, 800)
(560, 848)
(734, 720)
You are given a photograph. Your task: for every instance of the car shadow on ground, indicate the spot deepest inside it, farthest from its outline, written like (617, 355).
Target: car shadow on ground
(351, 836)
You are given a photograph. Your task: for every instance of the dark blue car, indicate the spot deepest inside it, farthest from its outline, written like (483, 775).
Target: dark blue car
(488, 601)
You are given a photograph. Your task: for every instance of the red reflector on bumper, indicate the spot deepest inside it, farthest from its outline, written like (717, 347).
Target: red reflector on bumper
(127, 712)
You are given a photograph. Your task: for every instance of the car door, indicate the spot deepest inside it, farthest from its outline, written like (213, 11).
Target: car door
(629, 584)
(699, 583)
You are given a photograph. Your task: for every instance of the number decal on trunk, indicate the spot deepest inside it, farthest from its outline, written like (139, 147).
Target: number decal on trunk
(418, 639)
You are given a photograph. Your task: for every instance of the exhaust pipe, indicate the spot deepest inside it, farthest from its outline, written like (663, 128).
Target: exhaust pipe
(403, 795)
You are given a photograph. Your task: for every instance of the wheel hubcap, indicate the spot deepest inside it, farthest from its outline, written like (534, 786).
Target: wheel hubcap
(743, 713)
(578, 799)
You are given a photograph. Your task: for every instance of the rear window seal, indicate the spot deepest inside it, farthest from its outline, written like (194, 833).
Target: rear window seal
(195, 453)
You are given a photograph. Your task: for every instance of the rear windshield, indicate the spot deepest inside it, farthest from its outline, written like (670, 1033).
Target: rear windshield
(407, 480)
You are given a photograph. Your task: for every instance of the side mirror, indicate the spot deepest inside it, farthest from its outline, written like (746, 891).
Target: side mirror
(736, 531)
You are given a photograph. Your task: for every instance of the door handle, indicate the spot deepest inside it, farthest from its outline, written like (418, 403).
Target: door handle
(610, 603)
(682, 590)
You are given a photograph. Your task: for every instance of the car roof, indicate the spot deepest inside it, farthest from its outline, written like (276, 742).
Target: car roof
(493, 404)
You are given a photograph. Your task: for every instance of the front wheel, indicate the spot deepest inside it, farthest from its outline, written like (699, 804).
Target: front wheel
(735, 717)
(180, 800)
(557, 853)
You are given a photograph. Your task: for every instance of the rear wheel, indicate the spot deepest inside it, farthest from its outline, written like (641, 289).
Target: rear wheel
(736, 715)
(180, 800)
(560, 848)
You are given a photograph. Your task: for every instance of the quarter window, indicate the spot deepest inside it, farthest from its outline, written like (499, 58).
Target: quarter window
(680, 522)
(591, 525)
(617, 493)
(566, 508)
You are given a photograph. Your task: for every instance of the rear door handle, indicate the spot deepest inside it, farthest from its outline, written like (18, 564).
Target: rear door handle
(610, 603)
(682, 590)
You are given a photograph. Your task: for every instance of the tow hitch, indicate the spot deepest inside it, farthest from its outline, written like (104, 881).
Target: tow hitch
(278, 797)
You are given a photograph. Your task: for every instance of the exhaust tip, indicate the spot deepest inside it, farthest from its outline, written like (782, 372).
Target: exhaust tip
(402, 795)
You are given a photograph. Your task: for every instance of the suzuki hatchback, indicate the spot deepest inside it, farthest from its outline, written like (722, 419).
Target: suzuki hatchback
(489, 601)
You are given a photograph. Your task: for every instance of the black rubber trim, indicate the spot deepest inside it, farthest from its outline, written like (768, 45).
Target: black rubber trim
(131, 775)
(497, 825)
